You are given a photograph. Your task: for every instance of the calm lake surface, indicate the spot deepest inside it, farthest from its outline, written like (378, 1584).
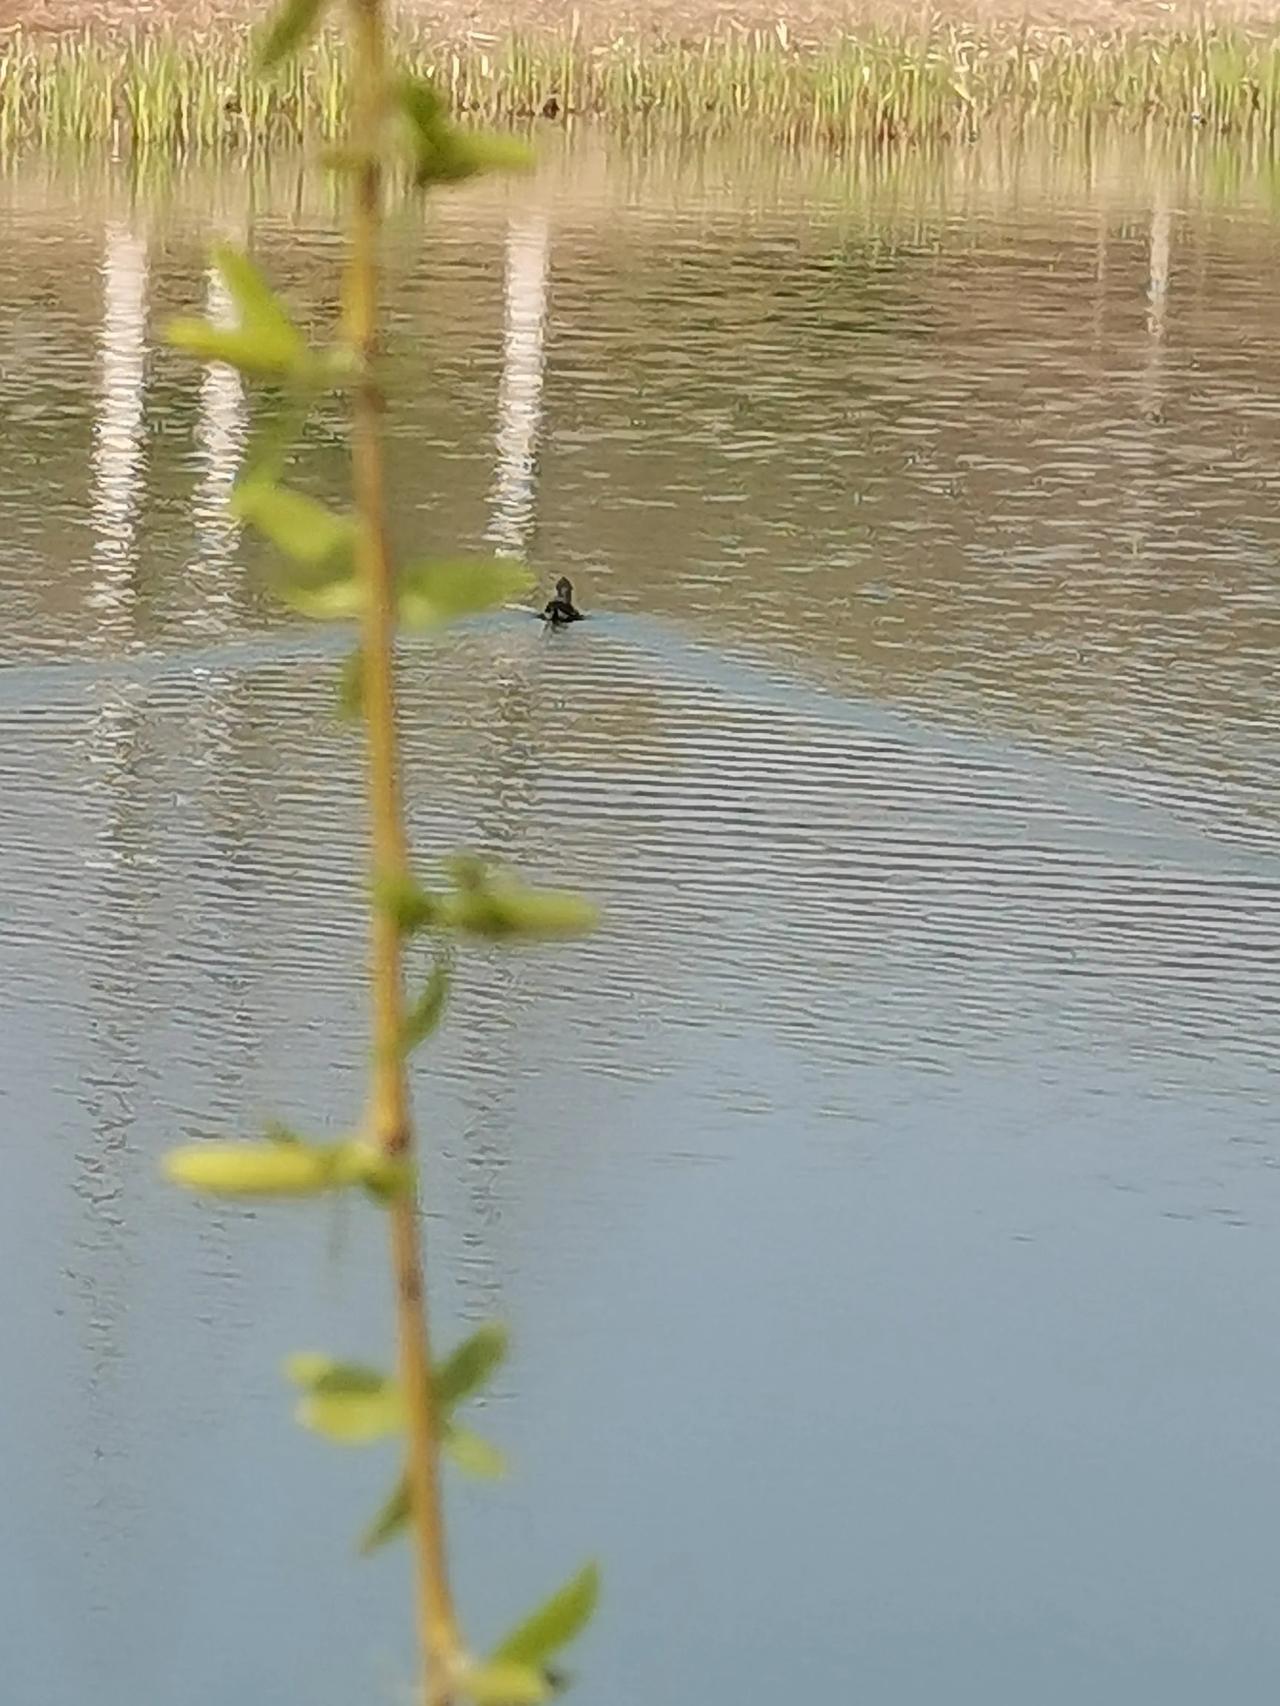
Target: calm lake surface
(886, 1202)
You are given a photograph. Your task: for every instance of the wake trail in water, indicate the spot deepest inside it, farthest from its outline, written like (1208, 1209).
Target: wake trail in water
(1160, 831)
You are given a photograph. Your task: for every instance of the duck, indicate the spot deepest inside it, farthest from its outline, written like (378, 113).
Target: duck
(561, 608)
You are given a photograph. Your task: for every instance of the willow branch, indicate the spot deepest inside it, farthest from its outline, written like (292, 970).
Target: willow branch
(390, 1112)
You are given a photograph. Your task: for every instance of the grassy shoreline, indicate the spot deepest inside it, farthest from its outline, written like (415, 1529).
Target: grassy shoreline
(931, 82)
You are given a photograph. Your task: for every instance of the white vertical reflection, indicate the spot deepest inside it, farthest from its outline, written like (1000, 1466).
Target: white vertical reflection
(221, 430)
(118, 429)
(1158, 253)
(1158, 265)
(520, 393)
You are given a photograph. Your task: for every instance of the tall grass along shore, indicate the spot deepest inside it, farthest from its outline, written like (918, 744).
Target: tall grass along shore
(930, 82)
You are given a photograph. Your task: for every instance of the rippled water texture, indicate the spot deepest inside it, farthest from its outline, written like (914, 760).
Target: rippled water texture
(885, 1201)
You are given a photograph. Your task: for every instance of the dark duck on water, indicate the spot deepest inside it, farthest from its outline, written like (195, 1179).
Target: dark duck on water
(561, 608)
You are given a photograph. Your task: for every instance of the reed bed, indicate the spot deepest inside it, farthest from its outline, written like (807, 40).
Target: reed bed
(935, 83)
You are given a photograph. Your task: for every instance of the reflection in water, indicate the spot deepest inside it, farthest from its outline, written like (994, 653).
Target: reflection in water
(520, 394)
(108, 961)
(112, 734)
(1157, 305)
(118, 429)
(1158, 288)
(220, 434)
(110, 957)
(922, 755)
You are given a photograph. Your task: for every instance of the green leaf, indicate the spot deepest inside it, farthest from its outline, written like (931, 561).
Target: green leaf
(492, 151)
(294, 23)
(258, 306)
(351, 687)
(256, 303)
(253, 352)
(441, 152)
(469, 1366)
(344, 158)
(308, 1368)
(467, 870)
(460, 154)
(424, 1017)
(473, 1455)
(315, 1372)
(458, 1377)
(407, 903)
(391, 1518)
(433, 593)
(386, 1177)
(278, 425)
(346, 1402)
(352, 1418)
(431, 136)
(497, 1683)
(298, 525)
(265, 342)
(492, 904)
(323, 584)
(262, 1169)
(501, 909)
(290, 1168)
(324, 597)
(554, 1624)
(422, 104)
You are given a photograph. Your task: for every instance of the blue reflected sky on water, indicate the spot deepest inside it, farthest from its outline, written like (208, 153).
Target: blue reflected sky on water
(884, 1203)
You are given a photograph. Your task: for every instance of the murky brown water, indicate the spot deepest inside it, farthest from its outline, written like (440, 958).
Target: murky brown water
(886, 1201)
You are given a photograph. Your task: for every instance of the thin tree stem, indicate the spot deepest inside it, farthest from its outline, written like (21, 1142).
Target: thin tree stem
(389, 1112)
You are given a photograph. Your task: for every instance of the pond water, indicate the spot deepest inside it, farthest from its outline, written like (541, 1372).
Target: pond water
(886, 1202)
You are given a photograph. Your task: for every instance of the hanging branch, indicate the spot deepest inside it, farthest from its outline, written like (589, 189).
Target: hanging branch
(338, 566)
